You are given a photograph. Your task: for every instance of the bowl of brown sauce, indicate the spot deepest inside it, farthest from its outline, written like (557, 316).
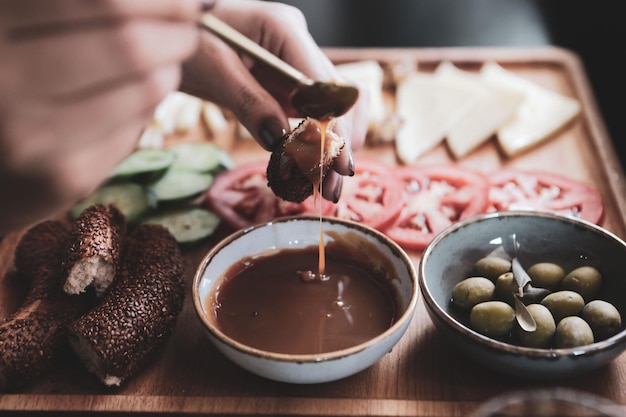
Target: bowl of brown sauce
(305, 299)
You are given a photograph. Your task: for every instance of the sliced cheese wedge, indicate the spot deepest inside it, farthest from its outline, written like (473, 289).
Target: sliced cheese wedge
(178, 112)
(493, 106)
(427, 106)
(540, 114)
(214, 118)
(369, 75)
(152, 136)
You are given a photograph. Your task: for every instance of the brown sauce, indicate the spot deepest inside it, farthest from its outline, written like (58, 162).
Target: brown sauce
(322, 251)
(270, 302)
(308, 153)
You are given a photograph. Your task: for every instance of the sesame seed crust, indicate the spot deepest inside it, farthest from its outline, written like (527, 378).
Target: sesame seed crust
(38, 253)
(137, 314)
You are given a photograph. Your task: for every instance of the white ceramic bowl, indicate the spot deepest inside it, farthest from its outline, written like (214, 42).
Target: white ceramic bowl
(301, 232)
(450, 257)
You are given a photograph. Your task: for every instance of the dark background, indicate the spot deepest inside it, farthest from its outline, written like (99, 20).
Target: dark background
(594, 30)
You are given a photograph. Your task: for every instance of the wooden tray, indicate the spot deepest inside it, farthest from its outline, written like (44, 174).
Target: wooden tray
(422, 376)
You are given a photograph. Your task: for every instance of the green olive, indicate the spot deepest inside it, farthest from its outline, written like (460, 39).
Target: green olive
(542, 336)
(585, 280)
(492, 318)
(563, 303)
(491, 267)
(546, 274)
(506, 286)
(603, 318)
(471, 291)
(572, 331)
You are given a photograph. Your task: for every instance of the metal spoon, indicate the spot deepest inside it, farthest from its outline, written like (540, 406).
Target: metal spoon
(523, 316)
(316, 99)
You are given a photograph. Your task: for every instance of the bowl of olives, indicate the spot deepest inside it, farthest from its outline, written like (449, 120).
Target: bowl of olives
(530, 294)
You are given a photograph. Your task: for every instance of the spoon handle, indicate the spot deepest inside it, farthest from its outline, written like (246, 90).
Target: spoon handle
(234, 38)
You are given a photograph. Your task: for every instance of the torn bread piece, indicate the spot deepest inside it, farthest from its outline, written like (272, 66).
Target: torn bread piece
(93, 254)
(295, 165)
(428, 107)
(493, 106)
(540, 114)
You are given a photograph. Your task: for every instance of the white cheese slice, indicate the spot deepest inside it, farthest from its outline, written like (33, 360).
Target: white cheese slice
(178, 112)
(369, 75)
(152, 136)
(493, 106)
(214, 118)
(540, 114)
(427, 106)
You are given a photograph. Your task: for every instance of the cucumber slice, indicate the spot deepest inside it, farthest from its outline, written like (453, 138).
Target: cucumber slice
(129, 198)
(178, 185)
(188, 224)
(144, 165)
(200, 157)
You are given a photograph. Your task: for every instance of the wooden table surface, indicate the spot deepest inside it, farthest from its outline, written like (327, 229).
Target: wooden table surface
(422, 375)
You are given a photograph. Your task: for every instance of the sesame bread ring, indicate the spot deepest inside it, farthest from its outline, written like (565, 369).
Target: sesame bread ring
(36, 334)
(136, 316)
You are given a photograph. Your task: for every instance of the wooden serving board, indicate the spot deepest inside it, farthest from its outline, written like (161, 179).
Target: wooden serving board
(422, 375)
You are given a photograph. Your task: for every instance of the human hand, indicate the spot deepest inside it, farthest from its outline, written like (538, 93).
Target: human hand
(78, 81)
(257, 95)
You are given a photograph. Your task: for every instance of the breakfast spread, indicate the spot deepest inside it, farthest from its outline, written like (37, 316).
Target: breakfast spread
(192, 187)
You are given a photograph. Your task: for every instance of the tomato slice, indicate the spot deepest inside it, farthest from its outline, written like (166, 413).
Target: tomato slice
(434, 197)
(241, 197)
(516, 189)
(373, 196)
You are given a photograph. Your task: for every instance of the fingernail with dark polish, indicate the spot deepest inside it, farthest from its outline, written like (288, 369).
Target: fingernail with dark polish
(337, 190)
(270, 133)
(206, 5)
(351, 164)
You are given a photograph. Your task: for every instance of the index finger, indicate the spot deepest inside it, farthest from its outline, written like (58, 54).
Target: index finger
(19, 13)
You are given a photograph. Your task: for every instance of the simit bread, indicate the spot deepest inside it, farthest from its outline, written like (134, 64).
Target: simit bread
(138, 312)
(294, 166)
(36, 334)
